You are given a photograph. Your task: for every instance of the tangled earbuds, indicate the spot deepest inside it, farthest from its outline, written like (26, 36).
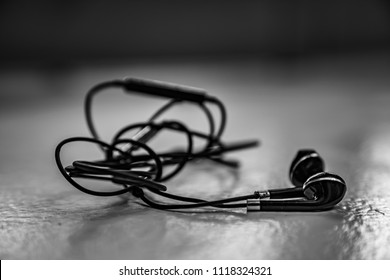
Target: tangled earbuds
(130, 165)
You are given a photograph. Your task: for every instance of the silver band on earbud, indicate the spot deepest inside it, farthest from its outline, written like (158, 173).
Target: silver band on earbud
(253, 205)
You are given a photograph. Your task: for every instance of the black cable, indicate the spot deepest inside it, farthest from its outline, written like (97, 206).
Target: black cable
(174, 125)
(122, 84)
(98, 170)
(137, 171)
(212, 139)
(163, 109)
(137, 192)
(223, 113)
(207, 112)
(194, 200)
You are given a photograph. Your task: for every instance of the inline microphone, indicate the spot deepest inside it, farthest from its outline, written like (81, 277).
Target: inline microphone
(167, 90)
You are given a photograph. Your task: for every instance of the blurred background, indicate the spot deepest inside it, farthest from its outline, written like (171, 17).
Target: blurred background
(50, 39)
(63, 32)
(55, 37)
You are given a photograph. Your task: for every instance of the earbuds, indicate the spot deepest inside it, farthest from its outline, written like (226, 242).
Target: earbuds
(131, 165)
(306, 163)
(314, 190)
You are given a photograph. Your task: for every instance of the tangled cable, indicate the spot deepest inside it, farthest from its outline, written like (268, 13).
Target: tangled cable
(134, 166)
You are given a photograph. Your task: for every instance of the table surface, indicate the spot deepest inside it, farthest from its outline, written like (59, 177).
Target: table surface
(336, 105)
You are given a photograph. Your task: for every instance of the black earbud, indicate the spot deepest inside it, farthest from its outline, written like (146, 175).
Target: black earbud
(305, 164)
(322, 192)
(315, 190)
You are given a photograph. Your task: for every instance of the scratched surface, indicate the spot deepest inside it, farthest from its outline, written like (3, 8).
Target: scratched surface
(339, 106)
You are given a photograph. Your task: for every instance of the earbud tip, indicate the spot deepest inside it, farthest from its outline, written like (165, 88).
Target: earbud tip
(306, 163)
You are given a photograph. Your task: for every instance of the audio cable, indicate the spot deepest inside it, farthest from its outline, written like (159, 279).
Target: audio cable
(134, 167)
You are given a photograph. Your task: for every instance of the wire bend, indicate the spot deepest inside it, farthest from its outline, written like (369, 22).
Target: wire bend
(134, 165)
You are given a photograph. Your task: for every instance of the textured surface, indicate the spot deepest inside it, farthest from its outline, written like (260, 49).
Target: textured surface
(339, 107)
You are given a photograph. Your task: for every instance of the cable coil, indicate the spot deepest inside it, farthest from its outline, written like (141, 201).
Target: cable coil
(134, 166)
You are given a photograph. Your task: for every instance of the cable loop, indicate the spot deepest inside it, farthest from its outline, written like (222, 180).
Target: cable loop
(134, 165)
